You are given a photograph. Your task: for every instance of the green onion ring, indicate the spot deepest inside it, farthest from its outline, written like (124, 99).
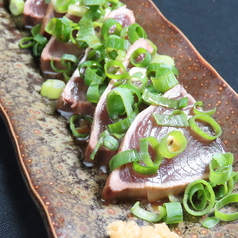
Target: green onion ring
(205, 191)
(93, 75)
(221, 168)
(231, 198)
(208, 120)
(119, 101)
(16, 7)
(171, 213)
(151, 167)
(145, 215)
(109, 27)
(176, 119)
(164, 83)
(135, 58)
(138, 78)
(200, 104)
(210, 222)
(121, 126)
(93, 93)
(134, 91)
(157, 99)
(174, 212)
(172, 144)
(110, 142)
(114, 42)
(135, 32)
(144, 150)
(164, 59)
(73, 128)
(224, 189)
(146, 170)
(67, 60)
(52, 88)
(115, 70)
(122, 158)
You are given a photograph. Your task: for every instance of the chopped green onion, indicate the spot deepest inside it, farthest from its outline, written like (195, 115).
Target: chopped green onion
(61, 6)
(164, 59)
(52, 88)
(120, 55)
(224, 189)
(60, 28)
(86, 32)
(138, 78)
(201, 192)
(221, 168)
(234, 176)
(140, 58)
(162, 76)
(110, 142)
(16, 7)
(135, 32)
(115, 4)
(135, 92)
(26, 42)
(96, 55)
(174, 212)
(158, 70)
(90, 63)
(122, 125)
(94, 92)
(151, 167)
(146, 170)
(144, 151)
(114, 69)
(126, 92)
(145, 215)
(36, 41)
(40, 43)
(172, 144)
(114, 42)
(94, 75)
(77, 10)
(200, 104)
(159, 100)
(171, 213)
(106, 140)
(165, 82)
(68, 62)
(109, 27)
(122, 158)
(79, 127)
(119, 101)
(176, 119)
(210, 222)
(205, 120)
(225, 216)
(174, 198)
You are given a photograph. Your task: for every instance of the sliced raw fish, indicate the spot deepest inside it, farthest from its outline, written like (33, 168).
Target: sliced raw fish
(173, 174)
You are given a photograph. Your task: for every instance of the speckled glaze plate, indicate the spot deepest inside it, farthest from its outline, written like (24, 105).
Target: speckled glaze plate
(67, 193)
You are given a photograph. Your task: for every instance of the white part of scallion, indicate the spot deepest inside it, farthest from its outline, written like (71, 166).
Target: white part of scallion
(52, 88)
(16, 7)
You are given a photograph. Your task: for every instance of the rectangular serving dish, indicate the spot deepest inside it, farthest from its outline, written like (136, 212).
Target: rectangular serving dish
(67, 193)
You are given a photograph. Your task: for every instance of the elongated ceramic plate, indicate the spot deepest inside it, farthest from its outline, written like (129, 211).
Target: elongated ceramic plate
(68, 194)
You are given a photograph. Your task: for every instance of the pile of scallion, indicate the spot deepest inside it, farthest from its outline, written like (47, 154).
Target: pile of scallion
(201, 197)
(150, 75)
